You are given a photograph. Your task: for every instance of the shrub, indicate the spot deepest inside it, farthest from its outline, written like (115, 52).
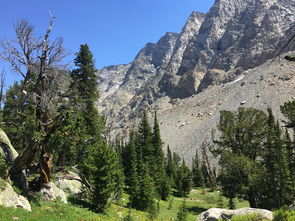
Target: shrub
(284, 214)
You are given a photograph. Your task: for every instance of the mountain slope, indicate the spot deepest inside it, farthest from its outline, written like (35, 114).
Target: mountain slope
(219, 60)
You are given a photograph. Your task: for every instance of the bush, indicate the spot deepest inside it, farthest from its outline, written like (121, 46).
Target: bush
(284, 214)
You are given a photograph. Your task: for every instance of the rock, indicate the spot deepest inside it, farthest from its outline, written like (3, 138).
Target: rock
(214, 214)
(6, 149)
(9, 198)
(243, 102)
(69, 181)
(52, 192)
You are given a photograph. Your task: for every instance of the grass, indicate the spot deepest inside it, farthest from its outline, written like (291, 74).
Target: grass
(197, 202)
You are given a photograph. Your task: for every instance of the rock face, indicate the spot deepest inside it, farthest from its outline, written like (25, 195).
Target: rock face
(70, 182)
(6, 149)
(190, 76)
(52, 192)
(10, 198)
(215, 214)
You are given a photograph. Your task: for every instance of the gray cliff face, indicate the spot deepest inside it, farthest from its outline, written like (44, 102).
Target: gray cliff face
(191, 75)
(170, 82)
(236, 35)
(134, 78)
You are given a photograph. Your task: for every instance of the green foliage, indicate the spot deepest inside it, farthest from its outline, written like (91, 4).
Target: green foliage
(157, 164)
(242, 131)
(19, 120)
(254, 158)
(169, 167)
(128, 217)
(235, 171)
(49, 211)
(183, 181)
(105, 172)
(182, 212)
(284, 214)
(197, 174)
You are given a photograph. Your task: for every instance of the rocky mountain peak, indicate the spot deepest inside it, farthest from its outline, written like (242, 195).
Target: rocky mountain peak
(219, 48)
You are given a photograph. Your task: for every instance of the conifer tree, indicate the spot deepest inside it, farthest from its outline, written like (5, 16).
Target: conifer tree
(290, 160)
(170, 169)
(145, 147)
(105, 176)
(182, 212)
(158, 163)
(144, 198)
(85, 88)
(183, 181)
(288, 109)
(197, 174)
(276, 189)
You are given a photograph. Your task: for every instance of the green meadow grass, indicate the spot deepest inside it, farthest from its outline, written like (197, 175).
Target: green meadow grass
(197, 202)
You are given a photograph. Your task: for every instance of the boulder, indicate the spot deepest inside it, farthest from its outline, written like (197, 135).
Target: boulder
(214, 214)
(52, 192)
(9, 198)
(6, 149)
(69, 181)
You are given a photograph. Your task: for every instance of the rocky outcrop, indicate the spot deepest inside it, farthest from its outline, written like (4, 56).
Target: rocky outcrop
(10, 198)
(216, 214)
(70, 182)
(51, 192)
(6, 149)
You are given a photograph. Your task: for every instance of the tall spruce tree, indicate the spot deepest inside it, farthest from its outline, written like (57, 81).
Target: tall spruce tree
(105, 176)
(158, 163)
(288, 109)
(197, 174)
(97, 161)
(85, 88)
(170, 169)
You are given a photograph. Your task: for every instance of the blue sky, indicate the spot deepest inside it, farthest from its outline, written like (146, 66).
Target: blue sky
(115, 30)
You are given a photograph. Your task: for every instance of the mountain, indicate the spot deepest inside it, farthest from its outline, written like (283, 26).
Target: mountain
(219, 60)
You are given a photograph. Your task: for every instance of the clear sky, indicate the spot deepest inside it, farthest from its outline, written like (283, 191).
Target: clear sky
(115, 30)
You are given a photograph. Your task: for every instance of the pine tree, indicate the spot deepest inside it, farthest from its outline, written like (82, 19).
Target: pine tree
(105, 174)
(170, 170)
(145, 196)
(130, 163)
(20, 129)
(182, 212)
(145, 147)
(276, 187)
(243, 134)
(291, 160)
(183, 181)
(198, 178)
(85, 90)
(158, 163)
(288, 109)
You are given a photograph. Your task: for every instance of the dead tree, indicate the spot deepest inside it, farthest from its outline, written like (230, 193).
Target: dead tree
(37, 56)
